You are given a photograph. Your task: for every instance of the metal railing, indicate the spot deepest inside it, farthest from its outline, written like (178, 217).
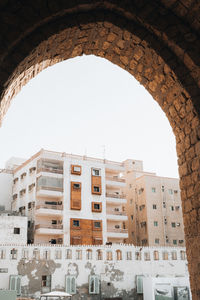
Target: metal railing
(118, 230)
(49, 226)
(117, 213)
(120, 196)
(50, 170)
(50, 188)
(49, 206)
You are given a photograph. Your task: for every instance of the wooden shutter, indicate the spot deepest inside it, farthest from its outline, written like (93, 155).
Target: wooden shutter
(139, 283)
(75, 196)
(70, 284)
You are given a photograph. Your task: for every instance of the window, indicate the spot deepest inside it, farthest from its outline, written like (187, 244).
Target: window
(173, 224)
(164, 205)
(13, 254)
(36, 254)
(156, 255)
(139, 284)
(78, 254)
(181, 241)
(174, 255)
(146, 256)
(96, 189)
(76, 186)
(183, 255)
(75, 169)
(25, 253)
(172, 208)
(140, 191)
(174, 242)
(128, 255)
(46, 254)
(58, 254)
(137, 255)
(118, 254)
(170, 191)
(155, 223)
(99, 254)
(96, 225)
(153, 189)
(15, 284)
(2, 253)
(163, 188)
(70, 284)
(96, 172)
(154, 206)
(165, 255)
(144, 242)
(68, 254)
(23, 175)
(16, 230)
(53, 222)
(132, 217)
(46, 280)
(109, 255)
(3, 270)
(156, 241)
(94, 284)
(76, 223)
(88, 254)
(96, 207)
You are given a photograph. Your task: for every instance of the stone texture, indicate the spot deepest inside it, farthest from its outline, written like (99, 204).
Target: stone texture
(149, 39)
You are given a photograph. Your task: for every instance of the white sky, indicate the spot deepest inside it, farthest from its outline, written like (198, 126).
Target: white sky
(78, 106)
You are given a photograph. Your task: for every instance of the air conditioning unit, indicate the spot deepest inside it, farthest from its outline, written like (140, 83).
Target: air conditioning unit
(60, 241)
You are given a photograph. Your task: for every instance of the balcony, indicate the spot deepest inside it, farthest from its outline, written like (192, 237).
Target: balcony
(49, 166)
(46, 210)
(115, 198)
(116, 215)
(54, 192)
(117, 233)
(115, 181)
(49, 229)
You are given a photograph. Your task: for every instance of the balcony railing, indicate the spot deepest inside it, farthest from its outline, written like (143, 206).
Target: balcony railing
(49, 226)
(115, 179)
(117, 213)
(47, 206)
(50, 188)
(121, 196)
(118, 230)
(50, 170)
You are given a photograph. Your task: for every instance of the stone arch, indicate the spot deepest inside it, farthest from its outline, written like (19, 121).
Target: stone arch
(158, 43)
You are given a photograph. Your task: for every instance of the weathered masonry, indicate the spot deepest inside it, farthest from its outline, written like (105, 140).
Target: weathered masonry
(91, 272)
(155, 41)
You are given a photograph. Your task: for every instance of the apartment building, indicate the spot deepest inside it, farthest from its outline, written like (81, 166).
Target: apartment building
(71, 199)
(154, 209)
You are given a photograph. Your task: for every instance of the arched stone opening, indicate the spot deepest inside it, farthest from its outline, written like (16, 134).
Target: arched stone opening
(151, 42)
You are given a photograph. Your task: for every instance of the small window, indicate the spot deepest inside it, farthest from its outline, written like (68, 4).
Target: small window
(58, 254)
(118, 254)
(96, 207)
(13, 254)
(99, 254)
(183, 255)
(25, 253)
(16, 230)
(170, 191)
(96, 172)
(154, 206)
(156, 241)
(163, 188)
(15, 284)
(174, 242)
(128, 255)
(137, 255)
(109, 255)
(146, 256)
(173, 224)
(153, 189)
(181, 241)
(97, 224)
(76, 186)
(132, 217)
(155, 223)
(165, 255)
(96, 189)
(68, 254)
(172, 208)
(75, 169)
(88, 254)
(76, 223)
(54, 222)
(174, 255)
(79, 254)
(46, 280)
(156, 255)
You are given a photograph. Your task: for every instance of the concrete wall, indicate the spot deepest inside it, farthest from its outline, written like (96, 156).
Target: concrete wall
(7, 225)
(6, 182)
(117, 277)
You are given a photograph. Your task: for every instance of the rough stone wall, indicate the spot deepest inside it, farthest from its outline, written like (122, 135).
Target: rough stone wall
(156, 41)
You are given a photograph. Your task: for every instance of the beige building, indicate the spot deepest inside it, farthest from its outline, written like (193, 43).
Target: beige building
(153, 208)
